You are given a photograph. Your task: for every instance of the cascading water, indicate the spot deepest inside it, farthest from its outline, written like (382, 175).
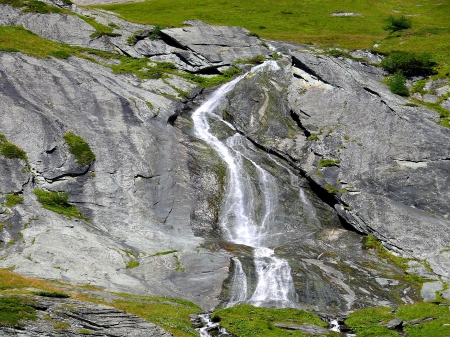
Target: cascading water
(240, 220)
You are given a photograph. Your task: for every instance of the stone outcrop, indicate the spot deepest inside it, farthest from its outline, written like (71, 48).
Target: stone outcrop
(64, 317)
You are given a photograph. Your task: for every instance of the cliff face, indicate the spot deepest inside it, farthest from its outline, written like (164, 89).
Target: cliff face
(344, 151)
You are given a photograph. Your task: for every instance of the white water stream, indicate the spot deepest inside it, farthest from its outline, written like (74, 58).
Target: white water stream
(240, 220)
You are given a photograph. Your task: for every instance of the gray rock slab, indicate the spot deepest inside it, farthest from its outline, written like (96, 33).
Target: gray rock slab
(136, 193)
(81, 318)
(429, 289)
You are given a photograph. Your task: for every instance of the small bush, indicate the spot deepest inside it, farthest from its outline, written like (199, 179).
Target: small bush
(12, 200)
(52, 294)
(394, 24)
(57, 202)
(408, 63)
(79, 148)
(397, 84)
(231, 72)
(156, 32)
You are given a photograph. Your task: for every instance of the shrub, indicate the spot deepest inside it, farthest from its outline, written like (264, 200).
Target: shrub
(156, 32)
(408, 63)
(394, 24)
(52, 294)
(397, 84)
(57, 202)
(79, 148)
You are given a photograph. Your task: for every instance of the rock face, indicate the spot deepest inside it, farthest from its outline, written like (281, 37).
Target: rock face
(75, 318)
(344, 151)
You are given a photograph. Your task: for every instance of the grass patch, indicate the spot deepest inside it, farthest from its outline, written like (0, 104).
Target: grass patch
(12, 200)
(53, 294)
(57, 202)
(252, 60)
(14, 309)
(10, 150)
(79, 148)
(171, 315)
(246, 320)
(60, 326)
(371, 242)
(33, 6)
(100, 29)
(366, 322)
(132, 264)
(165, 253)
(328, 162)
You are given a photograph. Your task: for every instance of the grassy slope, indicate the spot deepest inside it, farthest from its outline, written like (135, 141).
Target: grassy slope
(309, 21)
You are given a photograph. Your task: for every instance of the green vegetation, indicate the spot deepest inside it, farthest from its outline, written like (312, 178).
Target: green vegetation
(100, 29)
(408, 63)
(394, 24)
(53, 294)
(132, 264)
(13, 309)
(57, 202)
(60, 326)
(79, 148)
(170, 314)
(165, 253)
(245, 320)
(33, 6)
(156, 32)
(9, 150)
(371, 242)
(432, 320)
(12, 200)
(326, 162)
(397, 84)
(253, 60)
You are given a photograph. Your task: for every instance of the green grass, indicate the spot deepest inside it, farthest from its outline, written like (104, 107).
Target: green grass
(246, 320)
(57, 202)
(79, 148)
(327, 162)
(366, 322)
(132, 264)
(13, 309)
(33, 6)
(170, 314)
(12, 200)
(10, 150)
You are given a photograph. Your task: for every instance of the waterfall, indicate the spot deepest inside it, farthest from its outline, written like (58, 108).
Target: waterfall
(240, 221)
